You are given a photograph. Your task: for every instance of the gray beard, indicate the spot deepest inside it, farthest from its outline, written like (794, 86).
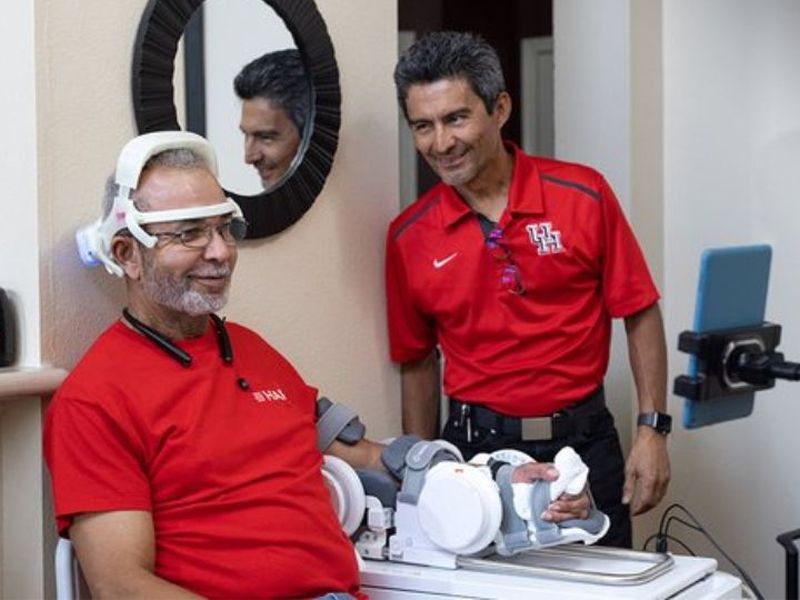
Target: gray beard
(176, 294)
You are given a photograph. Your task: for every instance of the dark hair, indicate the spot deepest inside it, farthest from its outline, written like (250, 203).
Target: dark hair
(448, 55)
(279, 77)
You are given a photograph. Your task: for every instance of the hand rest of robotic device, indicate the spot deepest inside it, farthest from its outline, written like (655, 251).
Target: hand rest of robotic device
(446, 508)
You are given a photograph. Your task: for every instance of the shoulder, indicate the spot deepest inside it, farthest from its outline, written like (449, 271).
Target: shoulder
(569, 176)
(420, 210)
(251, 343)
(106, 359)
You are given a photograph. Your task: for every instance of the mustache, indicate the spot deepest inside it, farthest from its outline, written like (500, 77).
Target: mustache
(221, 271)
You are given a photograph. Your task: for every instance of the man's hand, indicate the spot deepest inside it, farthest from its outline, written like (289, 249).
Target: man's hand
(647, 471)
(566, 506)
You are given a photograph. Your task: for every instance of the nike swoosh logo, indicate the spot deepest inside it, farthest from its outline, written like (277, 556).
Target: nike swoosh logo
(438, 264)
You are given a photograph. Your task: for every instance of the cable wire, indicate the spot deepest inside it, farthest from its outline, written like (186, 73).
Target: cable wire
(663, 533)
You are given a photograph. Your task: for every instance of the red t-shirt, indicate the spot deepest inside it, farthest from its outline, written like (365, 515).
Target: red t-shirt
(577, 258)
(231, 476)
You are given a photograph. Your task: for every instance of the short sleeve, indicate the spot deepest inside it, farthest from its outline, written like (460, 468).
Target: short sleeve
(411, 333)
(627, 284)
(95, 463)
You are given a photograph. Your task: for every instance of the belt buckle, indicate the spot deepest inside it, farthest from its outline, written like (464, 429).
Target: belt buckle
(537, 429)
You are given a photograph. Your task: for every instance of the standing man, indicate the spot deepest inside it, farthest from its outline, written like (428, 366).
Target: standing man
(276, 99)
(513, 267)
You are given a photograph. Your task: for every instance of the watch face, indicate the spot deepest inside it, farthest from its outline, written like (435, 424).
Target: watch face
(661, 422)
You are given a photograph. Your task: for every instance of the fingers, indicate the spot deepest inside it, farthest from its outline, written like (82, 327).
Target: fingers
(568, 506)
(648, 494)
(530, 472)
(628, 487)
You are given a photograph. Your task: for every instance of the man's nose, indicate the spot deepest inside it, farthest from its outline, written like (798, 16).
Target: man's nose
(250, 151)
(443, 139)
(218, 249)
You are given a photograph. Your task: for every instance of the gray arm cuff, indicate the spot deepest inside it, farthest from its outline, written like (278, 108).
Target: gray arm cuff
(337, 421)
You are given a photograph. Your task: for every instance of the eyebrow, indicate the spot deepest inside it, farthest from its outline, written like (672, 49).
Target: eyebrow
(464, 110)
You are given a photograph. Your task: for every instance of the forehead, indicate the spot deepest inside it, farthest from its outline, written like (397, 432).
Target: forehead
(437, 98)
(260, 113)
(167, 188)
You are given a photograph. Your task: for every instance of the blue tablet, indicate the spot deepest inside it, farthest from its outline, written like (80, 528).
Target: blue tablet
(732, 292)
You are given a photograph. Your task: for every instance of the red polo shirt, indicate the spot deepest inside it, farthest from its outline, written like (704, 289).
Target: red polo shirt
(580, 265)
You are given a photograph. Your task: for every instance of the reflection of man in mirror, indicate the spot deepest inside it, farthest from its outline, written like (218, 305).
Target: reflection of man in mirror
(275, 105)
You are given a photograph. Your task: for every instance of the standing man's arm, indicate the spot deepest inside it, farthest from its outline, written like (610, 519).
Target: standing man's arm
(647, 470)
(116, 551)
(421, 394)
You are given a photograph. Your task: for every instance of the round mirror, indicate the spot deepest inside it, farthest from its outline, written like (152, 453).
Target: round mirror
(275, 136)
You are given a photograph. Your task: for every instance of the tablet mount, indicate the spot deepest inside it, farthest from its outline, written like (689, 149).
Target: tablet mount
(733, 361)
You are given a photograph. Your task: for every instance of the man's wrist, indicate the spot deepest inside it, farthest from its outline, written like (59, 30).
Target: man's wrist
(657, 421)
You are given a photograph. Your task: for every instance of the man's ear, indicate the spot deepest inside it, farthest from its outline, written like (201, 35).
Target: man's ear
(502, 109)
(127, 254)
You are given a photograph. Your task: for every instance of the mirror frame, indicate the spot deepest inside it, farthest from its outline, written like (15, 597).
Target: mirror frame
(160, 29)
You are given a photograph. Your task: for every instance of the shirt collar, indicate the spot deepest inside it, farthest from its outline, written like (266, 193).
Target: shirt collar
(525, 191)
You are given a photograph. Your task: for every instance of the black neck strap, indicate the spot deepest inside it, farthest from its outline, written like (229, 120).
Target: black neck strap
(179, 354)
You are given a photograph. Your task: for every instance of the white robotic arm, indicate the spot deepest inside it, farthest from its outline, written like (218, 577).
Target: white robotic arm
(446, 508)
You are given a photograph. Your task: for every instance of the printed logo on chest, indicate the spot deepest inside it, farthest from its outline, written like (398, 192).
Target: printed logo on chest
(273, 395)
(546, 239)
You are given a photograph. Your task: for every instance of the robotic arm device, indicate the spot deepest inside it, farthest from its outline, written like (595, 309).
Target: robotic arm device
(446, 508)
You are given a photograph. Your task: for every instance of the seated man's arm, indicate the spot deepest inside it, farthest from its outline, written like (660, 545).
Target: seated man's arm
(116, 551)
(365, 454)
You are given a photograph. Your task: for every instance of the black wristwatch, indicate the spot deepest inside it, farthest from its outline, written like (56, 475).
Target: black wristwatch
(661, 422)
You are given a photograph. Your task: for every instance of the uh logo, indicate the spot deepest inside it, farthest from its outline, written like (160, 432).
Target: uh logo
(547, 240)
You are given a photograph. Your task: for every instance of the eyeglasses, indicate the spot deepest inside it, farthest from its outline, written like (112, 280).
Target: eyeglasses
(200, 235)
(510, 276)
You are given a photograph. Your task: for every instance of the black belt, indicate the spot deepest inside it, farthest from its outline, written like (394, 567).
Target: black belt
(568, 421)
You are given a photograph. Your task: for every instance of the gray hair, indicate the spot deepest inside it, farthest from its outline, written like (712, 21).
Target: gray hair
(451, 55)
(174, 158)
(279, 77)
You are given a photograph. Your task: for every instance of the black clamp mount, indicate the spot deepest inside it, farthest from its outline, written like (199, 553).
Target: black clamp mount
(733, 361)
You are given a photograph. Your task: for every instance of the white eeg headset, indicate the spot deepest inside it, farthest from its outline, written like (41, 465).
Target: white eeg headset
(94, 240)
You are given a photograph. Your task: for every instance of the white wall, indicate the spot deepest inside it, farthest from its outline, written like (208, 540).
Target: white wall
(19, 237)
(731, 157)
(20, 442)
(712, 150)
(592, 126)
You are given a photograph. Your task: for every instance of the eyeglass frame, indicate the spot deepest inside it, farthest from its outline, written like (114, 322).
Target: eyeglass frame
(236, 231)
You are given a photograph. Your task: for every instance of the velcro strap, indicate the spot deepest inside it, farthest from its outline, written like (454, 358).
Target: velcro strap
(513, 528)
(393, 455)
(419, 459)
(337, 421)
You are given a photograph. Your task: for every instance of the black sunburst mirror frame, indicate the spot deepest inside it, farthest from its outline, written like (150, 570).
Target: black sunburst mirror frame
(270, 212)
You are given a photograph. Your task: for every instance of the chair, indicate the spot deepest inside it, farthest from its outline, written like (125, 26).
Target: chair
(69, 580)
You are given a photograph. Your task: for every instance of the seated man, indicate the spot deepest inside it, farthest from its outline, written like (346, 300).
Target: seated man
(183, 449)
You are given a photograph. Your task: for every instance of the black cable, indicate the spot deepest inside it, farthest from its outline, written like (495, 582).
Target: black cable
(695, 525)
(680, 543)
(647, 541)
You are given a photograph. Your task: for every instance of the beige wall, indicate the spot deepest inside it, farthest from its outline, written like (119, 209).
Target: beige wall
(315, 291)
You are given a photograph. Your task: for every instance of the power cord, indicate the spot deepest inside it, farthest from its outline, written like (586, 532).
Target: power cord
(663, 537)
